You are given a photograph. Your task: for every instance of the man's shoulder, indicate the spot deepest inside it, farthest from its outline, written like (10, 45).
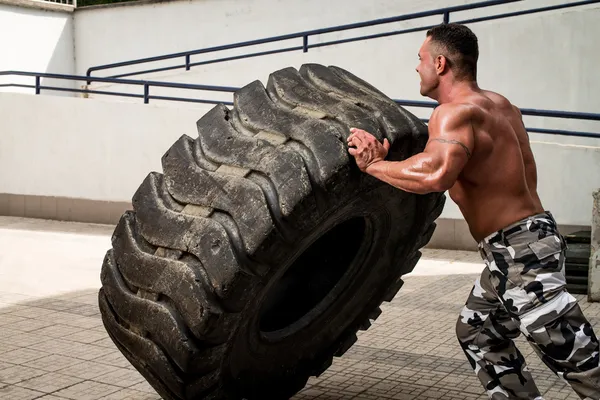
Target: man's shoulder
(455, 107)
(454, 113)
(498, 99)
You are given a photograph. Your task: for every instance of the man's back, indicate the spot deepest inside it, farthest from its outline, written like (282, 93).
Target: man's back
(498, 185)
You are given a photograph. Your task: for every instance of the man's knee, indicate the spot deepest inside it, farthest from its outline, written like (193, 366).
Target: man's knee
(468, 325)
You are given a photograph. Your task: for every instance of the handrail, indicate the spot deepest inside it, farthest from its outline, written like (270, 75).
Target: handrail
(525, 111)
(145, 83)
(229, 89)
(445, 12)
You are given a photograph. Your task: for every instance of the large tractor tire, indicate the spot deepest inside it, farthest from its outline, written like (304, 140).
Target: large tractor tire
(262, 249)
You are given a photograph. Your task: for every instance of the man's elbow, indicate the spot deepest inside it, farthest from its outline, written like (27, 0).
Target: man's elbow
(441, 182)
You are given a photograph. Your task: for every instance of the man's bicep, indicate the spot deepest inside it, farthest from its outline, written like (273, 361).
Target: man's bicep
(464, 146)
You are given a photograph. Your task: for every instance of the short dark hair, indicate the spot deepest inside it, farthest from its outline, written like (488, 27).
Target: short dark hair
(461, 45)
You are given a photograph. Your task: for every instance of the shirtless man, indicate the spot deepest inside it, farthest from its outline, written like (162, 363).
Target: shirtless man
(478, 149)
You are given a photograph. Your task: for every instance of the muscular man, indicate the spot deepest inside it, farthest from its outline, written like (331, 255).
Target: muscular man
(479, 151)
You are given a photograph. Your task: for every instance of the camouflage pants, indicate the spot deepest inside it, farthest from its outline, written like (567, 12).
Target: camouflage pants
(522, 290)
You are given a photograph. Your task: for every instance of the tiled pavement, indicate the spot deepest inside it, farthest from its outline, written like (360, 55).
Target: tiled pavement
(53, 345)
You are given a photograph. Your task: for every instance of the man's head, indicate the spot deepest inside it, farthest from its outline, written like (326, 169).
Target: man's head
(450, 52)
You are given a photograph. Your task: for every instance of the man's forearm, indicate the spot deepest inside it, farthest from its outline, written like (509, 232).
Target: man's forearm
(415, 175)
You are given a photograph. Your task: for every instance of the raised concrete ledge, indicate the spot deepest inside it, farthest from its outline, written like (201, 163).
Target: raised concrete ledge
(129, 4)
(453, 234)
(62, 208)
(594, 271)
(40, 5)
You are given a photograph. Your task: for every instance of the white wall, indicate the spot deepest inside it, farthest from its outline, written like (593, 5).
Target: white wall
(36, 40)
(546, 60)
(100, 150)
(82, 148)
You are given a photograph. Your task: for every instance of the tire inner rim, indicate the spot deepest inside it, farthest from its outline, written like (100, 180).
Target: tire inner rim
(315, 280)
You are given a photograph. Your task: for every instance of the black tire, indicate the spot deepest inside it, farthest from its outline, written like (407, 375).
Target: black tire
(262, 250)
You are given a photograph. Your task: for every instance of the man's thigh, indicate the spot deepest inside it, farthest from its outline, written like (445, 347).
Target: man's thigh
(483, 321)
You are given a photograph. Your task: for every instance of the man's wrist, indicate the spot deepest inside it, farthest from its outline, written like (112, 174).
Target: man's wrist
(376, 168)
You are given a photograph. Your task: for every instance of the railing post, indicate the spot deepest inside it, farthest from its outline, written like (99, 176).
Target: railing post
(187, 62)
(146, 93)
(446, 17)
(38, 89)
(305, 43)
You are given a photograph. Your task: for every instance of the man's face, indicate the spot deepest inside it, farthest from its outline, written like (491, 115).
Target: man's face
(427, 70)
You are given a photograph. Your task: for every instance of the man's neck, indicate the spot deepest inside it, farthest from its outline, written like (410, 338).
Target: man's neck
(451, 90)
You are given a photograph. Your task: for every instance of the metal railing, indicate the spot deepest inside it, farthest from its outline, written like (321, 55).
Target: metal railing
(145, 87)
(304, 36)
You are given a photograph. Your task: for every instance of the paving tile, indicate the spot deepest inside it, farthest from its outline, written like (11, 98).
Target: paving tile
(4, 365)
(88, 297)
(76, 321)
(24, 339)
(53, 305)
(10, 308)
(49, 382)
(121, 377)
(70, 349)
(86, 310)
(53, 363)
(10, 319)
(30, 325)
(87, 390)
(18, 393)
(31, 312)
(88, 370)
(144, 386)
(58, 331)
(114, 358)
(19, 373)
(106, 342)
(129, 394)
(86, 336)
(6, 347)
(22, 356)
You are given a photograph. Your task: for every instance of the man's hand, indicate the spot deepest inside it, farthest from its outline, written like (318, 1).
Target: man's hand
(368, 149)
(435, 169)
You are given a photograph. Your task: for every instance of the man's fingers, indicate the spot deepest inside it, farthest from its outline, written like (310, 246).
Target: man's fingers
(352, 151)
(356, 141)
(358, 132)
(386, 144)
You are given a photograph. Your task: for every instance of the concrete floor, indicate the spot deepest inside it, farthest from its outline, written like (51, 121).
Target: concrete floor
(53, 345)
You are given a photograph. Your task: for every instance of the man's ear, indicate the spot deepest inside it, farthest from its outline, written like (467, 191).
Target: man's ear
(441, 64)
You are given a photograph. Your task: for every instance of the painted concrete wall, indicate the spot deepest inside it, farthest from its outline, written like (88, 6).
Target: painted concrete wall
(82, 148)
(36, 40)
(100, 150)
